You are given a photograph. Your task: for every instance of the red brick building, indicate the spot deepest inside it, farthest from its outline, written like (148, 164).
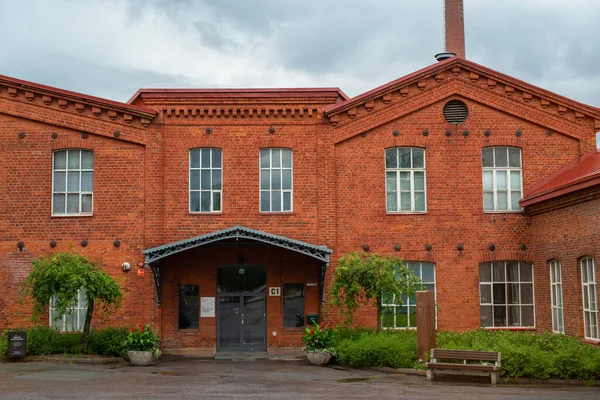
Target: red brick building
(231, 207)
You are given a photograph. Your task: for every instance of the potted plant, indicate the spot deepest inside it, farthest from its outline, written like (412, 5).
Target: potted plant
(141, 345)
(318, 343)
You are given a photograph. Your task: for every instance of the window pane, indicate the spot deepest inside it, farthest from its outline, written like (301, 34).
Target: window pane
(205, 201)
(293, 305)
(286, 158)
(404, 180)
(391, 158)
(512, 271)
(501, 157)
(501, 180)
(526, 293)
(205, 158)
(194, 201)
(216, 201)
(498, 272)
(392, 201)
(205, 179)
(388, 320)
(72, 181)
(514, 316)
(216, 179)
(419, 201)
(194, 158)
(527, 316)
(404, 157)
(486, 316)
(216, 158)
(60, 182)
(265, 179)
(419, 180)
(428, 275)
(276, 179)
(275, 158)
(265, 158)
(402, 317)
(73, 159)
(485, 294)
(390, 181)
(514, 201)
(81, 322)
(499, 291)
(513, 293)
(484, 272)
(405, 201)
(499, 315)
(276, 200)
(58, 206)
(418, 161)
(487, 156)
(189, 309)
(73, 203)
(56, 323)
(86, 203)
(488, 180)
(195, 180)
(286, 179)
(265, 201)
(502, 201)
(514, 157)
(60, 160)
(87, 160)
(287, 201)
(515, 180)
(412, 314)
(526, 272)
(87, 181)
(488, 201)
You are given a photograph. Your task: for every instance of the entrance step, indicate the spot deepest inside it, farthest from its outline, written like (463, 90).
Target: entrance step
(242, 355)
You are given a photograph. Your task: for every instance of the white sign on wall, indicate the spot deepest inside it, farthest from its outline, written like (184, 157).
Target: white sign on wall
(207, 307)
(274, 291)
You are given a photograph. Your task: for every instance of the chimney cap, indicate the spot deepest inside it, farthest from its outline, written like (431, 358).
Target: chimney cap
(444, 56)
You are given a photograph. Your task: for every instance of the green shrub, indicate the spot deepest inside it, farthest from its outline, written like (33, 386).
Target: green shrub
(40, 340)
(4, 345)
(67, 343)
(108, 341)
(396, 350)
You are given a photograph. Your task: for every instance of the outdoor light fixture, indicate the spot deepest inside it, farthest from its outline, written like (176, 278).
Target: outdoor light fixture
(242, 271)
(125, 267)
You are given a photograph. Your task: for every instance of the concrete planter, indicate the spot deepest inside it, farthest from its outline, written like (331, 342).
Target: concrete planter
(318, 358)
(140, 358)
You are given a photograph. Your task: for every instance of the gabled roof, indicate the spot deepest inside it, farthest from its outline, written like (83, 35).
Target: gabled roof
(471, 67)
(580, 173)
(157, 253)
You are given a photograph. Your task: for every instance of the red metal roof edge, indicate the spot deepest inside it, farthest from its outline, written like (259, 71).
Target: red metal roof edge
(467, 64)
(563, 190)
(23, 84)
(248, 92)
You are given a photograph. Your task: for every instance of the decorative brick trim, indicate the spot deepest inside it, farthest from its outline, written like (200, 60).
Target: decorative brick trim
(275, 142)
(553, 255)
(504, 255)
(237, 111)
(585, 252)
(502, 141)
(61, 144)
(409, 141)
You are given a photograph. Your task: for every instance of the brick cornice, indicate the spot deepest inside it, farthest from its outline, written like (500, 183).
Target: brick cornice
(239, 111)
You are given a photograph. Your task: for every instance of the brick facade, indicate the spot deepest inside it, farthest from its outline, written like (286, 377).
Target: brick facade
(141, 188)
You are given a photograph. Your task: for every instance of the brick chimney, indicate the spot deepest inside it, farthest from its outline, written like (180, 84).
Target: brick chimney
(454, 22)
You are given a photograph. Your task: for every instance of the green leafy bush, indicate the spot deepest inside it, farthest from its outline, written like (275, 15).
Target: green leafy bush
(108, 341)
(40, 340)
(396, 350)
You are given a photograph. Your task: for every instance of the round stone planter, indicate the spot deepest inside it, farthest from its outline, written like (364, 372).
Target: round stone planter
(318, 358)
(141, 358)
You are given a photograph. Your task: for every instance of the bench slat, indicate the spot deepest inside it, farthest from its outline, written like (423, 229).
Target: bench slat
(476, 367)
(472, 355)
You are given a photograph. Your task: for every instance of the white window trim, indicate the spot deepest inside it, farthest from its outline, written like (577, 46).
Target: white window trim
(412, 180)
(505, 282)
(63, 316)
(555, 285)
(80, 192)
(211, 190)
(408, 299)
(494, 189)
(585, 287)
(271, 168)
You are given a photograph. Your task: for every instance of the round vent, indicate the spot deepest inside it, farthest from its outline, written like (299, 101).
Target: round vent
(455, 112)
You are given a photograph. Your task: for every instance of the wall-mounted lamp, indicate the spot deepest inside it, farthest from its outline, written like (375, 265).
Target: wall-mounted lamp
(125, 267)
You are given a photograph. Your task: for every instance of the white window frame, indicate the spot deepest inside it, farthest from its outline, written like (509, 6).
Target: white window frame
(270, 168)
(508, 169)
(589, 287)
(408, 304)
(81, 305)
(506, 284)
(556, 294)
(398, 192)
(66, 192)
(211, 169)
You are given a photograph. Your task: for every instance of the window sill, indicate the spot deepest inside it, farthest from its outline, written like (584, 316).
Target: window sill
(504, 212)
(188, 331)
(277, 213)
(71, 215)
(406, 212)
(510, 328)
(206, 213)
(591, 341)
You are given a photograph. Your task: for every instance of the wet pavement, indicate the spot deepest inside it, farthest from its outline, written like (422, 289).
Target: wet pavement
(193, 378)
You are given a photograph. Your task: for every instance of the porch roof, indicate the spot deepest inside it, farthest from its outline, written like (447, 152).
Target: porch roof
(237, 232)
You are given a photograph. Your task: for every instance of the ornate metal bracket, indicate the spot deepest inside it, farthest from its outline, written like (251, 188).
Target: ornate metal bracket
(323, 270)
(156, 273)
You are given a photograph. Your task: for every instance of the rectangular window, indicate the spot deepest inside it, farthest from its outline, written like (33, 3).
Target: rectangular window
(72, 182)
(506, 294)
(275, 180)
(189, 306)
(74, 320)
(205, 180)
(502, 179)
(293, 305)
(590, 298)
(405, 180)
(556, 295)
(404, 314)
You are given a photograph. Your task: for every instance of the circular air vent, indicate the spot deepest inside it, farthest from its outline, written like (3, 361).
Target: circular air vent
(456, 112)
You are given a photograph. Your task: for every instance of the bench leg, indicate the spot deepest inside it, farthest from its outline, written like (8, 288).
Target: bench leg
(495, 376)
(430, 374)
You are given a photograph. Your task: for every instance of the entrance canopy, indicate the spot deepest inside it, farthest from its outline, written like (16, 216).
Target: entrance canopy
(237, 232)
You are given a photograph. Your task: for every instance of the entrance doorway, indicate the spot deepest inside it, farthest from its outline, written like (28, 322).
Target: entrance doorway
(241, 313)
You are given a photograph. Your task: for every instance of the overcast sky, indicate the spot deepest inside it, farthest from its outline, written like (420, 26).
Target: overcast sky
(110, 48)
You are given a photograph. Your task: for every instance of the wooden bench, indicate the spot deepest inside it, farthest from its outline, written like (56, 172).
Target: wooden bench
(490, 363)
